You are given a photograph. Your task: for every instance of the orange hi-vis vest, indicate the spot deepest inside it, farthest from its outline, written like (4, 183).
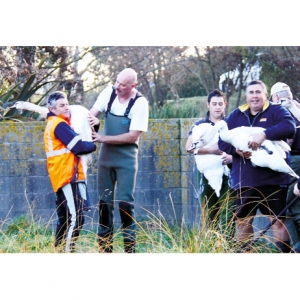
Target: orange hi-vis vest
(61, 162)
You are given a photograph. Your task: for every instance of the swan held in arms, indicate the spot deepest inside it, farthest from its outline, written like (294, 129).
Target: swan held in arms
(79, 123)
(271, 154)
(204, 136)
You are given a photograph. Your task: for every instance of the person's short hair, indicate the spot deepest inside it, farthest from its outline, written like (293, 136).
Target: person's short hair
(253, 82)
(53, 97)
(215, 93)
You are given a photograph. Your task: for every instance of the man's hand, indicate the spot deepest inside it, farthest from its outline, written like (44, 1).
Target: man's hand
(93, 120)
(97, 137)
(257, 140)
(245, 154)
(227, 159)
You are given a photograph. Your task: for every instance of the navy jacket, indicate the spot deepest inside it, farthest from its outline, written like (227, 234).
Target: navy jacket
(279, 124)
(66, 135)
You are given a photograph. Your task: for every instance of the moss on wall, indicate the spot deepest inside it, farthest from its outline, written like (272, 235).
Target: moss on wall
(163, 170)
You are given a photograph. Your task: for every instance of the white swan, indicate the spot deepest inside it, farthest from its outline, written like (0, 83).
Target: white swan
(205, 135)
(79, 123)
(202, 135)
(270, 155)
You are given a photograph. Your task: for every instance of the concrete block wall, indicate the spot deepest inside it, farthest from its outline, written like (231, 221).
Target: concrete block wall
(166, 181)
(164, 186)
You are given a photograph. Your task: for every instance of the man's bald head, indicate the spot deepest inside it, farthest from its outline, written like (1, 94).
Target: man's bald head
(129, 75)
(125, 83)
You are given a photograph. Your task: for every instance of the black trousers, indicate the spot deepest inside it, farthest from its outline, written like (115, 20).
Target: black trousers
(70, 207)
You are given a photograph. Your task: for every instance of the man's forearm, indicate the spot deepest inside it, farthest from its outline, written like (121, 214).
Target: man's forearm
(125, 138)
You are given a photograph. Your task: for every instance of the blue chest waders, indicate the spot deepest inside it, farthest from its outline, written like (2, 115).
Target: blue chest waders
(117, 167)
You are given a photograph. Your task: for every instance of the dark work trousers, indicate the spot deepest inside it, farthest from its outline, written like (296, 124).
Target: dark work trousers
(220, 210)
(70, 207)
(117, 168)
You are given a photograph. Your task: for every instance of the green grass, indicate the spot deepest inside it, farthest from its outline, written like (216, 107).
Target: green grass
(24, 235)
(154, 235)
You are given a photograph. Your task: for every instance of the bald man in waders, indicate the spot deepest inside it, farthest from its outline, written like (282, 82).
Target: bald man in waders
(126, 117)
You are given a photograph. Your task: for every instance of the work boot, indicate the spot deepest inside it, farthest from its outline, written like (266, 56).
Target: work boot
(283, 247)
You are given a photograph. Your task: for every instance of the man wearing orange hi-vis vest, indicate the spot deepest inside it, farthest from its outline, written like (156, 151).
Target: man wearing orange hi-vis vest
(63, 147)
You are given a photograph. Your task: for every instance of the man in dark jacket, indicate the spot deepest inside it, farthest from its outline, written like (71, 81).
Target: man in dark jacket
(257, 187)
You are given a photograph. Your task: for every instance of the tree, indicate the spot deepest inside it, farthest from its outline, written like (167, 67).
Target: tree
(29, 72)
(233, 65)
(281, 64)
(157, 68)
(164, 72)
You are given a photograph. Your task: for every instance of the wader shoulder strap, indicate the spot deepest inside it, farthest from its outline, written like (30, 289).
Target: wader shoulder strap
(111, 100)
(130, 104)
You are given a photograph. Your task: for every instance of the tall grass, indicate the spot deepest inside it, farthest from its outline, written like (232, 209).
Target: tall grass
(24, 235)
(154, 234)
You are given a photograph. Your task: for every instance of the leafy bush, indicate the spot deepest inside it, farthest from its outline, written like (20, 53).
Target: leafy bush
(186, 108)
(194, 107)
(23, 91)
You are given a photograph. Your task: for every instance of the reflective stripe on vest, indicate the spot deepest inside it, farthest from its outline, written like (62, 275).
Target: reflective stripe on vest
(52, 152)
(57, 152)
